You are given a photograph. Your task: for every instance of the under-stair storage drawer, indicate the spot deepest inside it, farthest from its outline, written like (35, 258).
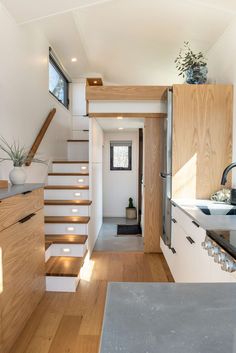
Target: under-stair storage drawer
(15, 208)
(23, 269)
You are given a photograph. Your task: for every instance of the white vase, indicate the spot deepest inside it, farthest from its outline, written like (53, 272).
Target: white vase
(17, 176)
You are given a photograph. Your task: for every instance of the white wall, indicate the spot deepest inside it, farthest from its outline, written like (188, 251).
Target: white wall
(24, 97)
(118, 186)
(222, 69)
(95, 183)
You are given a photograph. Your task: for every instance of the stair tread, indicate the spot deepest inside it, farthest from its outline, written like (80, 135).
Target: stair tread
(64, 266)
(67, 202)
(70, 162)
(74, 140)
(47, 244)
(67, 219)
(69, 174)
(66, 238)
(66, 187)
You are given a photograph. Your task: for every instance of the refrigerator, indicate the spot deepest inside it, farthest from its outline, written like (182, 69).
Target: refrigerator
(166, 174)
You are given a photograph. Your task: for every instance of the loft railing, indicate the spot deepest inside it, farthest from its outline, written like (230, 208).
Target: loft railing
(40, 136)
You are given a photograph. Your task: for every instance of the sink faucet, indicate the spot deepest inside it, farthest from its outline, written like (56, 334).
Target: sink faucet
(224, 180)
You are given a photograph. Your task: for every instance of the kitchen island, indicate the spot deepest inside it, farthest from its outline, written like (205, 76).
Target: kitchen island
(169, 318)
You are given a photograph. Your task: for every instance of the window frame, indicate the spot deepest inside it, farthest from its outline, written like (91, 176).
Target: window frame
(119, 143)
(53, 62)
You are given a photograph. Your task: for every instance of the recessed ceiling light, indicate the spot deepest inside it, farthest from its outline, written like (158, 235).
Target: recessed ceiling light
(95, 82)
(120, 128)
(74, 60)
(120, 117)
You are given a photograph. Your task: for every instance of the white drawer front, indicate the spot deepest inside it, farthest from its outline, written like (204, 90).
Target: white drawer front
(191, 229)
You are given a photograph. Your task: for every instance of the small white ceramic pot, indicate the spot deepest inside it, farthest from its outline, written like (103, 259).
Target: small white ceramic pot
(17, 176)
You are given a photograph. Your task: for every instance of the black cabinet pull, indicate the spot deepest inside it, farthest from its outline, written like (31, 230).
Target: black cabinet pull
(173, 220)
(173, 250)
(27, 218)
(26, 192)
(190, 240)
(195, 223)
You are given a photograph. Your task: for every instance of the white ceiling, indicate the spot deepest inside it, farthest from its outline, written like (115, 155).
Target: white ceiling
(126, 41)
(128, 124)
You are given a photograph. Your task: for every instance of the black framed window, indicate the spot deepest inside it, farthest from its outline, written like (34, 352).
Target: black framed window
(58, 83)
(120, 155)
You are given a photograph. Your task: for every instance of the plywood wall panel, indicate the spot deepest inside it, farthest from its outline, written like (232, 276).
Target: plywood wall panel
(153, 165)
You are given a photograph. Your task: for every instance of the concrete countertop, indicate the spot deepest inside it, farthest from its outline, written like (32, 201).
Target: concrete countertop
(169, 318)
(212, 222)
(13, 190)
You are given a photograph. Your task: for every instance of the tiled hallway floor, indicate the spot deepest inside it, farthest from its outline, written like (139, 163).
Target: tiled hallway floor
(109, 241)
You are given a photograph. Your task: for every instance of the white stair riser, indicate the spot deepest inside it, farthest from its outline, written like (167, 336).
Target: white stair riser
(78, 151)
(48, 254)
(66, 228)
(75, 250)
(80, 122)
(66, 210)
(68, 180)
(70, 168)
(80, 135)
(61, 284)
(66, 194)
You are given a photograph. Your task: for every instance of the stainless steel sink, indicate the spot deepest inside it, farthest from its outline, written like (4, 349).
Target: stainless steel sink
(218, 210)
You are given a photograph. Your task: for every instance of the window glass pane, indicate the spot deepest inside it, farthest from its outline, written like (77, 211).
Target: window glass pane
(57, 84)
(120, 156)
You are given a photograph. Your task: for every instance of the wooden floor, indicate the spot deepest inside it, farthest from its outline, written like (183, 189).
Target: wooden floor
(72, 322)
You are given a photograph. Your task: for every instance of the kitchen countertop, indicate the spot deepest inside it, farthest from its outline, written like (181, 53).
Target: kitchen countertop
(212, 222)
(13, 190)
(169, 318)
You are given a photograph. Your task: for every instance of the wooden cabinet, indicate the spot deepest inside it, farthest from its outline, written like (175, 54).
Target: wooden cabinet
(202, 138)
(187, 260)
(22, 264)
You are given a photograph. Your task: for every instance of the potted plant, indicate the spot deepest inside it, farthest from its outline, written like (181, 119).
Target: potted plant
(19, 157)
(192, 66)
(131, 211)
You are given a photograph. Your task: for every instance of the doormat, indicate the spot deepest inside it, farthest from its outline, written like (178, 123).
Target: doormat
(129, 229)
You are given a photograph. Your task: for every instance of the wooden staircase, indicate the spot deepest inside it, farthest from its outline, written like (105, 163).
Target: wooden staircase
(67, 216)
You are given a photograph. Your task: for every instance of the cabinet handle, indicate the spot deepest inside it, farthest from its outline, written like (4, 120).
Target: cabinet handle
(173, 220)
(27, 218)
(195, 223)
(173, 250)
(190, 240)
(26, 192)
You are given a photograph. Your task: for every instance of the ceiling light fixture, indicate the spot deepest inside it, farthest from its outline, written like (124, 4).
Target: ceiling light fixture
(120, 117)
(95, 82)
(74, 60)
(120, 128)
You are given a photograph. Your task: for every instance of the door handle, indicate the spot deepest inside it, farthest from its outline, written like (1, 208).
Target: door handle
(27, 218)
(190, 240)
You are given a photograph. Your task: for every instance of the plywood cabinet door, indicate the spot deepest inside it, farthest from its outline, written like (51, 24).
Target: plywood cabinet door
(202, 138)
(22, 247)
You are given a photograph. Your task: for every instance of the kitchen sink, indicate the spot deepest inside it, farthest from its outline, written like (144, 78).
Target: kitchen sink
(218, 210)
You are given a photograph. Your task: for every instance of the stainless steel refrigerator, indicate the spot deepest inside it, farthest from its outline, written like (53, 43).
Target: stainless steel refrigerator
(166, 174)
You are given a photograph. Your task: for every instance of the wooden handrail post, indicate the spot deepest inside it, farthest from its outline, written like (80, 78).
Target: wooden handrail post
(40, 136)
